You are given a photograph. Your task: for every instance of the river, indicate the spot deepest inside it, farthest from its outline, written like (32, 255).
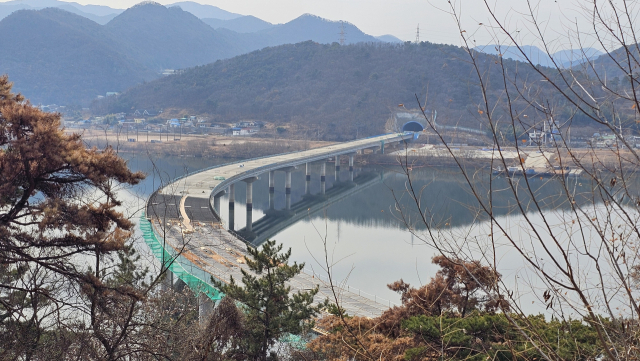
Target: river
(367, 243)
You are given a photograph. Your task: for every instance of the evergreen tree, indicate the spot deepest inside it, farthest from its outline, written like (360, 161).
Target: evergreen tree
(271, 311)
(58, 203)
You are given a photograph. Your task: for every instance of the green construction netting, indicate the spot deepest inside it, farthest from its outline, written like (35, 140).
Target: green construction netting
(189, 273)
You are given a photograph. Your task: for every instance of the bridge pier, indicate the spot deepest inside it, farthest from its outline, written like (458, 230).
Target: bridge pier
(272, 189)
(249, 224)
(307, 184)
(337, 175)
(323, 177)
(287, 188)
(232, 206)
(216, 201)
(351, 156)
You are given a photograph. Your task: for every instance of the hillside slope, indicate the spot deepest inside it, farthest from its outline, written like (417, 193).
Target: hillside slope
(161, 37)
(54, 56)
(332, 90)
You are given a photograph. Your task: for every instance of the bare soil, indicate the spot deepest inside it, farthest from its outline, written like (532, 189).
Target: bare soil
(195, 145)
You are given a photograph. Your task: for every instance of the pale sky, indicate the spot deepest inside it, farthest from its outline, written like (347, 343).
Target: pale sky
(401, 17)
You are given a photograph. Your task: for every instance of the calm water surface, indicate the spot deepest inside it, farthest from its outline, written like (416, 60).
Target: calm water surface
(367, 243)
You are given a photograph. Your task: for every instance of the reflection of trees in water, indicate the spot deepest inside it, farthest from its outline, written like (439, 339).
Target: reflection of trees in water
(447, 199)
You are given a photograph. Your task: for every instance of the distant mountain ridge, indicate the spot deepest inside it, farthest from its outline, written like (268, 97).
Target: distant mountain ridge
(161, 37)
(86, 63)
(135, 46)
(98, 13)
(312, 27)
(205, 11)
(563, 58)
(103, 14)
(243, 24)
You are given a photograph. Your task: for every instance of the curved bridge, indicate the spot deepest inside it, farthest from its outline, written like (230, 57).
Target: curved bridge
(184, 223)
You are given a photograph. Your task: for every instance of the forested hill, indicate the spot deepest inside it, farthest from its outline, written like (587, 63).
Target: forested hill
(55, 56)
(334, 90)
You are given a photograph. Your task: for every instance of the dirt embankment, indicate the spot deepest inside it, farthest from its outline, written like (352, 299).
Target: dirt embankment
(586, 158)
(208, 146)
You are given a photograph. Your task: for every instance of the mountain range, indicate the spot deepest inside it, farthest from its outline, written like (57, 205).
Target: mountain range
(67, 53)
(56, 56)
(103, 14)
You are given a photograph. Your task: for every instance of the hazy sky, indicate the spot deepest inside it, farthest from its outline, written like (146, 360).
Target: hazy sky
(401, 17)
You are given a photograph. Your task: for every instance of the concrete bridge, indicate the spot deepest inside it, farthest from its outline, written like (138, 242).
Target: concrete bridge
(185, 220)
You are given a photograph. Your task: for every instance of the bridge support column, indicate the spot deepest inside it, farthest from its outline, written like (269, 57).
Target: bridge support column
(205, 306)
(272, 189)
(249, 181)
(232, 206)
(216, 201)
(351, 167)
(287, 189)
(337, 176)
(307, 184)
(323, 177)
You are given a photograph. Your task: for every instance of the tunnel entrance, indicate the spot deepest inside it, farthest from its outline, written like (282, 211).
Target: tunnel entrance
(412, 126)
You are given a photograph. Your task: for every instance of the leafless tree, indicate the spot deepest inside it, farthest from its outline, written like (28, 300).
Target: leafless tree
(574, 251)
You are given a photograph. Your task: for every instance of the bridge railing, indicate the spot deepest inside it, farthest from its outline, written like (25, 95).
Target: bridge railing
(193, 276)
(259, 170)
(263, 157)
(258, 158)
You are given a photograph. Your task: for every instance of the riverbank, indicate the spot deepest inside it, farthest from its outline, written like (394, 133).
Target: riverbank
(585, 158)
(196, 145)
(239, 147)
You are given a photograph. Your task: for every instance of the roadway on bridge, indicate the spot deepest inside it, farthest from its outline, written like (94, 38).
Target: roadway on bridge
(203, 184)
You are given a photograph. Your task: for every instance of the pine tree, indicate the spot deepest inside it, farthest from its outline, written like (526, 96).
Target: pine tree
(58, 204)
(271, 310)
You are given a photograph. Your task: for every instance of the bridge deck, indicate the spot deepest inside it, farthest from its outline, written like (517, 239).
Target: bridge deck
(203, 184)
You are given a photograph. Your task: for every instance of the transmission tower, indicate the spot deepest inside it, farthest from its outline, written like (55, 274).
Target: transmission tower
(418, 34)
(342, 33)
